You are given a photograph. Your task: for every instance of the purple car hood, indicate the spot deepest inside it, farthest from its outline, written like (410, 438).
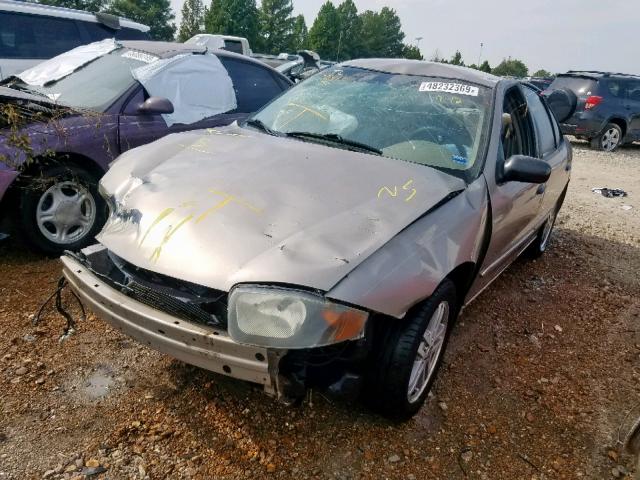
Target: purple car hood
(233, 205)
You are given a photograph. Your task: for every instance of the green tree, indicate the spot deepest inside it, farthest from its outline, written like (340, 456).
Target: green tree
(485, 67)
(155, 13)
(412, 52)
(350, 28)
(275, 25)
(511, 68)
(393, 34)
(325, 32)
(299, 35)
(382, 34)
(86, 5)
(233, 17)
(542, 73)
(457, 59)
(192, 20)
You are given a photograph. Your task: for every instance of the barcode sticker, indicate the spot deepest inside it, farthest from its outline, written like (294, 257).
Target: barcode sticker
(140, 56)
(449, 88)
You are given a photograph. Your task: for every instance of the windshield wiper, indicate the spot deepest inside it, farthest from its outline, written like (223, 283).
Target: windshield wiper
(336, 138)
(254, 122)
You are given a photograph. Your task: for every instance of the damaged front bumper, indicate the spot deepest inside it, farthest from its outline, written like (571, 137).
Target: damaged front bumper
(201, 345)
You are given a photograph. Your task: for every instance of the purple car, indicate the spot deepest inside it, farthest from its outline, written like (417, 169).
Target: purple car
(63, 122)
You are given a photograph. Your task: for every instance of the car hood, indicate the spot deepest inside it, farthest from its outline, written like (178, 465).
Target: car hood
(225, 206)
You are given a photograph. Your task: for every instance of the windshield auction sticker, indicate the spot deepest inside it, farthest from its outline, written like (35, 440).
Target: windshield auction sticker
(140, 56)
(449, 88)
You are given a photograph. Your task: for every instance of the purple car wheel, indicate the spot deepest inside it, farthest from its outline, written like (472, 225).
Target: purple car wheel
(60, 209)
(66, 212)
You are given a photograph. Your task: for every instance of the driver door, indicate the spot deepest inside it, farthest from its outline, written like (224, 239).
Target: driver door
(516, 206)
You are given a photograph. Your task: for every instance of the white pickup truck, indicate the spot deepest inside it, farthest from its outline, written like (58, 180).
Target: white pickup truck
(222, 42)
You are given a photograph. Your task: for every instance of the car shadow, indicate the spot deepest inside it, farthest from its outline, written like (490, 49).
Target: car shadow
(524, 357)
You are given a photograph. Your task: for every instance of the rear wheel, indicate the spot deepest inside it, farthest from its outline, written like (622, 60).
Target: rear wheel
(609, 140)
(60, 209)
(410, 355)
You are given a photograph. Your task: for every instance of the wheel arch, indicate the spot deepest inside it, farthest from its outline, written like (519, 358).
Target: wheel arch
(10, 200)
(619, 121)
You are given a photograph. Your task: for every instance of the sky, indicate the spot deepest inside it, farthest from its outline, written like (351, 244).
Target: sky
(557, 35)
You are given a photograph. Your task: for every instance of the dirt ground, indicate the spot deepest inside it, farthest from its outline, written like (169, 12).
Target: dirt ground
(540, 380)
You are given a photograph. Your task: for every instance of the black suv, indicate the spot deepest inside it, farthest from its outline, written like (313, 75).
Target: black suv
(607, 109)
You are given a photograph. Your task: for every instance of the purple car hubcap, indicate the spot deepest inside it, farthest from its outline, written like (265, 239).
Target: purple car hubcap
(66, 212)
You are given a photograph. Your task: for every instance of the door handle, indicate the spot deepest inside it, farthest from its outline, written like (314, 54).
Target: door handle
(541, 189)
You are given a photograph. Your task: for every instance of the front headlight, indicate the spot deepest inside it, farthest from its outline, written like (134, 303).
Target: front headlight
(287, 318)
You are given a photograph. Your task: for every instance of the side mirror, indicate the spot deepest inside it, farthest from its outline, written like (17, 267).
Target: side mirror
(520, 168)
(156, 105)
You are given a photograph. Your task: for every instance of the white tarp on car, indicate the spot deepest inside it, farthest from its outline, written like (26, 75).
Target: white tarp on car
(198, 86)
(64, 64)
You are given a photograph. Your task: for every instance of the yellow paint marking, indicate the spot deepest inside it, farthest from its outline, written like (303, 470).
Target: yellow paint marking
(413, 190)
(223, 203)
(393, 193)
(167, 236)
(164, 214)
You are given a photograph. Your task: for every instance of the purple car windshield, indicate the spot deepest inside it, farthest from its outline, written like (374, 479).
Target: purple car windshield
(96, 85)
(431, 121)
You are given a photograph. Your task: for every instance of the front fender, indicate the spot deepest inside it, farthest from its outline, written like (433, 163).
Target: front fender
(408, 268)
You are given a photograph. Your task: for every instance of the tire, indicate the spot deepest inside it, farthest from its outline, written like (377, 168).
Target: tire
(389, 385)
(60, 209)
(541, 244)
(609, 139)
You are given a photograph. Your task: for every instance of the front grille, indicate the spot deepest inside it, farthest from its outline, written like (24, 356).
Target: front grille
(178, 298)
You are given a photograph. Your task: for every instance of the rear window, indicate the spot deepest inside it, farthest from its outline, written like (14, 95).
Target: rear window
(36, 36)
(233, 46)
(579, 85)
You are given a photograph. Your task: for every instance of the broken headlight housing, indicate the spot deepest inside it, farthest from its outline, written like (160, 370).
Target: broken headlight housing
(291, 319)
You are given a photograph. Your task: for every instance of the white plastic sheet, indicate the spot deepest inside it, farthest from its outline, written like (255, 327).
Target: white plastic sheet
(66, 63)
(198, 86)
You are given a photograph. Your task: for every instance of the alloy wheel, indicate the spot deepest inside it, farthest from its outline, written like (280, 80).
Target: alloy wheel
(610, 139)
(428, 353)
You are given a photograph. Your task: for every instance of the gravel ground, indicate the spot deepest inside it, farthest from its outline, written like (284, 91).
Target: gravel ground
(542, 370)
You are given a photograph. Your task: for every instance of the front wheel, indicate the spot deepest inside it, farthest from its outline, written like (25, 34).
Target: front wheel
(60, 209)
(609, 140)
(410, 355)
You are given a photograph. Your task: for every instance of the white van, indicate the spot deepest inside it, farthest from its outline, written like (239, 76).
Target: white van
(31, 32)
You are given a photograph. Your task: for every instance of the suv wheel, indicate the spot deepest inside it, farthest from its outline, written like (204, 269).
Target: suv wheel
(609, 139)
(60, 209)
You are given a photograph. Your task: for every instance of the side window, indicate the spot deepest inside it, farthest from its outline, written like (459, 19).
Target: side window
(541, 121)
(255, 86)
(517, 131)
(36, 36)
(615, 88)
(633, 90)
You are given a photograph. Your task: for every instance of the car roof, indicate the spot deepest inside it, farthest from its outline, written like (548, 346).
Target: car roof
(426, 69)
(61, 12)
(597, 74)
(171, 49)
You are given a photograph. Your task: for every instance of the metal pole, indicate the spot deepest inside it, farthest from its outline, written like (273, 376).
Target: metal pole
(480, 54)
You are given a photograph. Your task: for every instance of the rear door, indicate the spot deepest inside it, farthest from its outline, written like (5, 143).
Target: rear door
(582, 86)
(633, 108)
